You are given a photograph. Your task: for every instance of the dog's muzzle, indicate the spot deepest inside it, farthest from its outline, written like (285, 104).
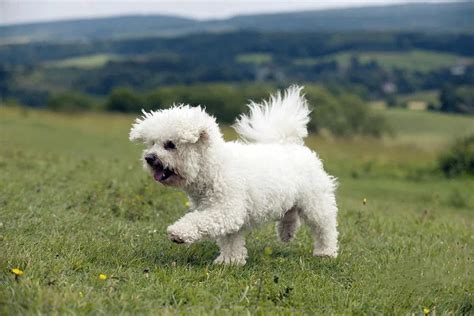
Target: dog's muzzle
(160, 173)
(152, 160)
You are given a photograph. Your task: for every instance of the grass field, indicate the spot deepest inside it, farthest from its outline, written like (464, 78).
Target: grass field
(84, 62)
(256, 58)
(74, 204)
(428, 96)
(416, 60)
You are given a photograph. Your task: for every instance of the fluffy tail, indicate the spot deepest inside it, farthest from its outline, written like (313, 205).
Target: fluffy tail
(281, 119)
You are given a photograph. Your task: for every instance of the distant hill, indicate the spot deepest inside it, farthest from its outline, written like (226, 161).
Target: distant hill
(424, 17)
(101, 28)
(439, 17)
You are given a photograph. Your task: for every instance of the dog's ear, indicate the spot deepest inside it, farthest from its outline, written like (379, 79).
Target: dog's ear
(193, 137)
(139, 127)
(136, 133)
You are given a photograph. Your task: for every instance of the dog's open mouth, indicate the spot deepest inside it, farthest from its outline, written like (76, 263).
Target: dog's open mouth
(163, 174)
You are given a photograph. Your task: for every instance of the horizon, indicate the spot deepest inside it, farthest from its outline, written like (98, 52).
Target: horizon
(18, 13)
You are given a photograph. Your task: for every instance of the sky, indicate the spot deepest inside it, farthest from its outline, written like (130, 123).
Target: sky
(24, 11)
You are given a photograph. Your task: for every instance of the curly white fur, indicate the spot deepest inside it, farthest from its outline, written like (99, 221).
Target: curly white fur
(282, 119)
(234, 186)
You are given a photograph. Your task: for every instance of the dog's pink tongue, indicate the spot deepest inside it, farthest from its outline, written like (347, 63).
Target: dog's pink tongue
(158, 175)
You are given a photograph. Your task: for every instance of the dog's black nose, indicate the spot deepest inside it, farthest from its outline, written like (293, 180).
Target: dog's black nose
(150, 158)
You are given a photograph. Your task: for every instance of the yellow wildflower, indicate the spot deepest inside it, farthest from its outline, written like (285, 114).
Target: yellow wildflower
(364, 201)
(267, 251)
(17, 271)
(102, 276)
(187, 204)
(426, 311)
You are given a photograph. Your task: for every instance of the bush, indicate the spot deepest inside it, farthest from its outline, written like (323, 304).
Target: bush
(459, 159)
(29, 96)
(123, 100)
(70, 102)
(225, 101)
(343, 114)
(457, 99)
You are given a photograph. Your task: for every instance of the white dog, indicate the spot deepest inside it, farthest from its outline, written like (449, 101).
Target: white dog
(233, 186)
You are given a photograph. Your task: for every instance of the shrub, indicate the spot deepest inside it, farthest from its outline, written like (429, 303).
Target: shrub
(459, 159)
(70, 102)
(225, 101)
(123, 100)
(343, 114)
(457, 99)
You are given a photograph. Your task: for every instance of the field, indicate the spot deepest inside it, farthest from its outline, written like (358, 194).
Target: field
(84, 62)
(416, 60)
(256, 58)
(419, 60)
(74, 204)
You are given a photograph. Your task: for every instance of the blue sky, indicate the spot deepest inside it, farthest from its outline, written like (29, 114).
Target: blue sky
(22, 11)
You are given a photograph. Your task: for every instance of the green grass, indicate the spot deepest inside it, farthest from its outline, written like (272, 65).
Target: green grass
(75, 203)
(428, 130)
(255, 58)
(84, 62)
(428, 96)
(416, 60)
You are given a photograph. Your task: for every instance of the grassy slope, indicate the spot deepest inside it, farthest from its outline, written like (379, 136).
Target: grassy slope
(427, 96)
(416, 60)
(429, 130)
(99, 60)
(74, 203)
(84, 62)
(257, 58)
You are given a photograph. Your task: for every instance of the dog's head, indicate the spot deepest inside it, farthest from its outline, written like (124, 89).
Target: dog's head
(177, 142)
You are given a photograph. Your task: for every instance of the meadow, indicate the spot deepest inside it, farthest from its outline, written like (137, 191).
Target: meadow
(415, 60)
(84, 62)
(86, 226)
(419, 60)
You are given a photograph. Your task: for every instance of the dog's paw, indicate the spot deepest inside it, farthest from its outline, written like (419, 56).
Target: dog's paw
(325, 253)
(175, 238)
(182, 235)
(238, 260)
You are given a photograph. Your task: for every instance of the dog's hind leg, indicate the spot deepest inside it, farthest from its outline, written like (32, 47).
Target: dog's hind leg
(320, 213)
(287, 227)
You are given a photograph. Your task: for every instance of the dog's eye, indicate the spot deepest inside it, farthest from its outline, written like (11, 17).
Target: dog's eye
(168, 145)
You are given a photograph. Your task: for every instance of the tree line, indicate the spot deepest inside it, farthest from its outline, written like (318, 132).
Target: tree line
(338, 111)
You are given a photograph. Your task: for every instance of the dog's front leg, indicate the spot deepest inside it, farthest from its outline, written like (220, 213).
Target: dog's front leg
(213, 223)
(232, 249)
